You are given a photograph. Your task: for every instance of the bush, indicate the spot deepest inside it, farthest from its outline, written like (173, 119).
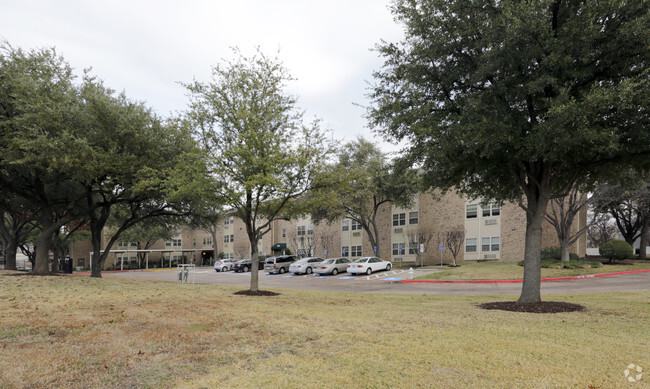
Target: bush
(616, 250)
(551, 253)
(573, 257)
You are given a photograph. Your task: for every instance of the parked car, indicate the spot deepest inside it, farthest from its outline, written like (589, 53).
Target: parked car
(305, 265)
(244, 265)
(368, 265)
(332, 266)
(224, 265)
(279, 264)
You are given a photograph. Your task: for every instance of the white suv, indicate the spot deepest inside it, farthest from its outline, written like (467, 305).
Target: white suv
(224, 265)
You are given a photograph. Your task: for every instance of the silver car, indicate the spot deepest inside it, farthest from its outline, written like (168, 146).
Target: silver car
(332, 266)
(305, 265)
(224, 265)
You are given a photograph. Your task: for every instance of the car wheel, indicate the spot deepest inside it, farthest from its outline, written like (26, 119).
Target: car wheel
(335, 272)
(388, 267)
(245, 269)
(308, 271)
(369, 271)
(281, 270)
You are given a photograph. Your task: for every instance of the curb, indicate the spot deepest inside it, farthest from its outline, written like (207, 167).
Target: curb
(521, 281)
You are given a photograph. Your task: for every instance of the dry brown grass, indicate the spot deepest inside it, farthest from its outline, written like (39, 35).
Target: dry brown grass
(78, 332)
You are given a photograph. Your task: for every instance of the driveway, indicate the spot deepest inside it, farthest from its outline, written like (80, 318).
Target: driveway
(384, 282)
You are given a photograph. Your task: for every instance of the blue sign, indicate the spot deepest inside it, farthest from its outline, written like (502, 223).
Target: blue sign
(441, 246)
(375, 249)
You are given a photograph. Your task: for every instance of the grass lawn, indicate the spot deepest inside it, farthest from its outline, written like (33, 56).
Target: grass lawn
(492, 270)
(78, 332)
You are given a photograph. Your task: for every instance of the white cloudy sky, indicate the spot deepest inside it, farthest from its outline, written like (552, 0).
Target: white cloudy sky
(146, 47)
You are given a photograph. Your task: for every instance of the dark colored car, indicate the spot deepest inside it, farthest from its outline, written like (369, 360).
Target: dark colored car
(244, 265)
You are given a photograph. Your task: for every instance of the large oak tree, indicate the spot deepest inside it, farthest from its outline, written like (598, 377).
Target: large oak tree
(518, 101)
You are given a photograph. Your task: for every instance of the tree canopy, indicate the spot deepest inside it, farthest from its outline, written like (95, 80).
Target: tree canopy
(518, 101)
(261, 154)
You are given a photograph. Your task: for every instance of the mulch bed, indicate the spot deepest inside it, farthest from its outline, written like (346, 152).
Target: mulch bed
(540, 307)
(258, 293)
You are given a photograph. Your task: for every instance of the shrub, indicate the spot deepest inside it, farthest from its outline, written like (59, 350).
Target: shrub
(573, 257)
(551, 253)
(616, 249)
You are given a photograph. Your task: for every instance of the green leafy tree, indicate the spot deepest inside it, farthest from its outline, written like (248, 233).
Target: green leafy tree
(261, 154)
(518, 101)
(39, 113)
(359, 184)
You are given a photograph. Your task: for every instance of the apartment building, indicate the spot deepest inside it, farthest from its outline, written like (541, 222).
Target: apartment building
(417, 234)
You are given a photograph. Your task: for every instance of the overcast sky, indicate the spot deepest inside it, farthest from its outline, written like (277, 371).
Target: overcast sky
(146, 47)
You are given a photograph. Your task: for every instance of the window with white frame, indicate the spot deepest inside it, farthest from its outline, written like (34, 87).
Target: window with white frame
(301, 230)
(470, 245)
(492, 209)
(207, 241)
(284, 232)
(413, 217)
(345, 251)
(228, 238)
(345, 225)
(355, 251)
(399, 219)
(485, 244)
(495, 243)
(229, 220)
(310, 229)
(173, 243)
(356, 225)
(398, 248)
(471, 211)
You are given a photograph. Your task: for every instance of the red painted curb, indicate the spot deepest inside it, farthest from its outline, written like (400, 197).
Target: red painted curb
(520, 281)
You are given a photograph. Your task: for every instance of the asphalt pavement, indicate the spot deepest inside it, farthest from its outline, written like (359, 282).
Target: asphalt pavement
(390, 282)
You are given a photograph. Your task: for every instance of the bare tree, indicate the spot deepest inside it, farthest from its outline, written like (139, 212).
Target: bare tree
(325, 240)
(562, 213)
(601, 230)
(242, 249)
(455, 239)
(303, 243)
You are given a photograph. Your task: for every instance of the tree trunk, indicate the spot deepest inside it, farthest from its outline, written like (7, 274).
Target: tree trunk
(96, 268)
(644, 237)
(42, 252)
(254, 262)
(564, 249)
(530, 291)
(10, 255)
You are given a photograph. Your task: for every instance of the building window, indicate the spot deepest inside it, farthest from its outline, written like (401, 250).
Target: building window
(356, 225)
(495, 243)
(284, 232)
(173, 242)
(345, 252)
(228, 238)
(345, 225)
(398, 248)
(413, 217)
(310, 229)
(301, 230)
(413, 248)
(485, 244)
(207, 241)
(355, 251)
(399, 219)
(492, 209)
(470, 245)
(471, 211)
(229, 220)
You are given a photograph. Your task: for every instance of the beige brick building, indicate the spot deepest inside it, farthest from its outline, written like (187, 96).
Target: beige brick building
(492, 232)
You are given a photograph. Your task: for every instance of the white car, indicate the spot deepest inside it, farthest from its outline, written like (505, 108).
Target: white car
(224, 265)
(368, 265)
(304, 265)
